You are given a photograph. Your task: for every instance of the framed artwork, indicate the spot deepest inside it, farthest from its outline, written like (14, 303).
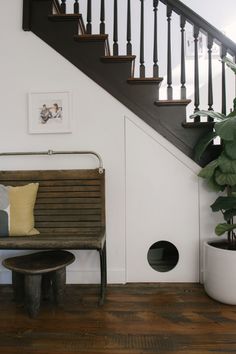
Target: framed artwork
(49, 112)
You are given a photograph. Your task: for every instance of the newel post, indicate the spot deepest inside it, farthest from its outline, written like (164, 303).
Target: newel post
(26, 21)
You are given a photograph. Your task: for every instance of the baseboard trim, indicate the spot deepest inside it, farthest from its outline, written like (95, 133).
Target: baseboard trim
(75, 276)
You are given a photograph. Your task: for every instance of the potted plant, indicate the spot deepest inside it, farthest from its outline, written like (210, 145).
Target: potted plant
(220, 173)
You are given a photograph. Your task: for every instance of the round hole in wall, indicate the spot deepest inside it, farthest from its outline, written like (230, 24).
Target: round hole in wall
(163, 256)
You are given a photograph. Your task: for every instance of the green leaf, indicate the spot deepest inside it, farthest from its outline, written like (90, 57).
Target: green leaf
(226, 129)
(229, 63)
(208, 171)
(229, 214)
(214, 186)
(226, 164)
(222, 228)
(224, 203)
(225, 178)
(203, 143)
(230, 149)
(215, 115)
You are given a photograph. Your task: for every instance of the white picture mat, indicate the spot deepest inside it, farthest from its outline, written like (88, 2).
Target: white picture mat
(49, 112)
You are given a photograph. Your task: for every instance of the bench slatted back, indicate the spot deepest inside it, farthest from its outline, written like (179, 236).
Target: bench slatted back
(68, 201)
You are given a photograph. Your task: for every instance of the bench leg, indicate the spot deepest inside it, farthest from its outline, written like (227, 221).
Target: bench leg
(32, 293)
(58, 285)
(18, 287)
(103, 268)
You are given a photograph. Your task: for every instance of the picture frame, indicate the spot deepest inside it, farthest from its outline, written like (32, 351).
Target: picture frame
(49, 112)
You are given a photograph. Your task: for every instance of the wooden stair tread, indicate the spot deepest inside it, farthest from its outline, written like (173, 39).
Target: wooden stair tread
(90, 37)
(65, 17)
(144, 80)
(180, 102)
(197, 125)
(118, 58)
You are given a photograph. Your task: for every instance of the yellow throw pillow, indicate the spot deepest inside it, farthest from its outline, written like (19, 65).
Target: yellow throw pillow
(18, 214)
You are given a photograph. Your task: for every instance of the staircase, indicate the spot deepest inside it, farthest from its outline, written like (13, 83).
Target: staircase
(90, 52)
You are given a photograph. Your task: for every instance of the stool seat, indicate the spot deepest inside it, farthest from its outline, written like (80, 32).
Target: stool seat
(40, 262)
(30, 271)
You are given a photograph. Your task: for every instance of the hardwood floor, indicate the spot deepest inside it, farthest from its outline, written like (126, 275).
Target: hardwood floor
(136, 319)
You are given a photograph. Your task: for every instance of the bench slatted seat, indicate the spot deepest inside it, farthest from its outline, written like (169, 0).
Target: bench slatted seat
(69, 212)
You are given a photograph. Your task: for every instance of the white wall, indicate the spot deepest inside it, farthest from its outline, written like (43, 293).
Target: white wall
(133, 154)
(222, 17)
(162, 205)
(27, 64)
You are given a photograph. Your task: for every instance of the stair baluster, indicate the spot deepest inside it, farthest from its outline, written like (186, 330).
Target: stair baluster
(89, 17)
(210, 85)
(222, 55)
(102, 17)
(128, 45)
(76, 7)
(196, 72)
(155, 45)
(63, 6)
(142, 66)
(183, 69)
(169, 63)
(115, 30)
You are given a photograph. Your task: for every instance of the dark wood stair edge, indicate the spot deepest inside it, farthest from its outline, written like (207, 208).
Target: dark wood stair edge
(118, 58)
(197, 125)
(90, 37)
(65, 17)
(174, 102)
(144, 80)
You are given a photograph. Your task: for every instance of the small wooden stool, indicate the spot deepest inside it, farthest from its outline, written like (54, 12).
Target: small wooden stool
(28, 272)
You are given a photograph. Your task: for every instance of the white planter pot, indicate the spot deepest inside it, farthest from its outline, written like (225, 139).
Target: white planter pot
(220, 274)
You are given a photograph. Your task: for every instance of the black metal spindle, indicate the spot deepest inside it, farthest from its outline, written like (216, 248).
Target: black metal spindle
(183, 70)
(169, 55)
(76, 7)
(196, 73)
(102, 17)
(63, 6)
(115, 30)
(210, 84)
(155, 44)
(89, 17)
(222, 55)
(142, 66)
(128, 45)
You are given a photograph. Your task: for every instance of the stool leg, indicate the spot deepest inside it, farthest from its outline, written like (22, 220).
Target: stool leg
(58, 284)
(18, 287)
(46, 286)
(32, 293)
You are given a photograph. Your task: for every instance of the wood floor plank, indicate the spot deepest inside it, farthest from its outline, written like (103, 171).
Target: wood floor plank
(135, 319)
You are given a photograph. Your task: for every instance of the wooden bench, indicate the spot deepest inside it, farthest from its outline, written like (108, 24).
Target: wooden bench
(69, 210)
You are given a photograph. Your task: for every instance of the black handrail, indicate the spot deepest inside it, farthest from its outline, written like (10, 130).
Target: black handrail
(195, 19)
